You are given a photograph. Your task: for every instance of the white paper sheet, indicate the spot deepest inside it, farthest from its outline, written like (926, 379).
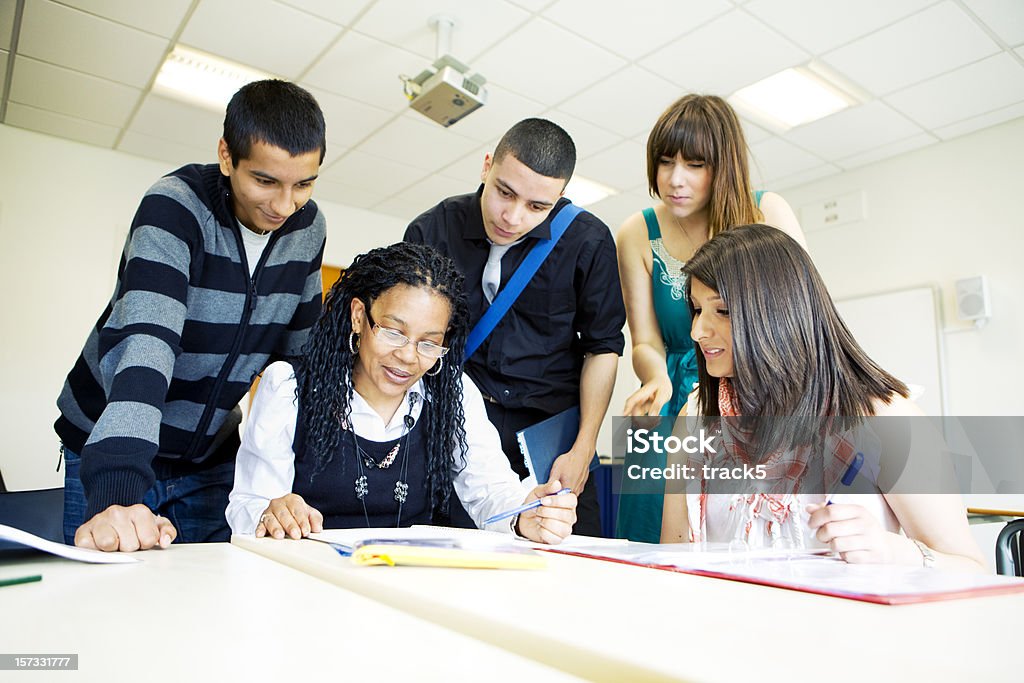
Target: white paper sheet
(9, 533)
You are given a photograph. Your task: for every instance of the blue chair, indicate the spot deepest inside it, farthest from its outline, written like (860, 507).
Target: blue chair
(38, 512)
(1008, 549)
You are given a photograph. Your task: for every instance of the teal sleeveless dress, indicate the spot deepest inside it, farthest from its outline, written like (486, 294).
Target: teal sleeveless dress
(639, 516)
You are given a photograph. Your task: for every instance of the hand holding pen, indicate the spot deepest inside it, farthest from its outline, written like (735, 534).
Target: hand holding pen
(849, 529)
(547, 515)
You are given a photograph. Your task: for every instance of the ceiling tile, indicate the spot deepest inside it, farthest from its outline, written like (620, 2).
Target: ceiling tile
(776, 158)
(44, 121)
(885, 151)
(753, 132)
(177, 122)
(990, 84)
(414, 139)
(429, 191)
(162, 18)
(341, 193)
(1004, 17)
(805, 177)
(628, 101)
(100, 47)
(172, 153)
(532, 5)
(589, 139)
(535, 60)
(921, 46)
(700, 64)
(348, 121)
(504, 109)
(478, 25)
(621, 167)
(826, 24)
(361, 170)
(68, 92)
(275, 38)
(852, 131)
(467, 169)
(991, 118)
(7, 8)
(401, 209)
(343, 13)
(616, 209)
(366, 69)
(647, 25)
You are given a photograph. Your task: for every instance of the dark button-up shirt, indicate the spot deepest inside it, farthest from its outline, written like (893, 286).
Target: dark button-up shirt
(572, 306)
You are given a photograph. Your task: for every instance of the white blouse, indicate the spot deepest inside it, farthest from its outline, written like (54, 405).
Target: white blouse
(265, 468)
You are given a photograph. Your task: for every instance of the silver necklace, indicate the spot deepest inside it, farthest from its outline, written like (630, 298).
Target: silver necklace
(401, 491)
(685, 234)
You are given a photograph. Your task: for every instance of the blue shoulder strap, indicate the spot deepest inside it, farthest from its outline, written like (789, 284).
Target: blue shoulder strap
(506, 297)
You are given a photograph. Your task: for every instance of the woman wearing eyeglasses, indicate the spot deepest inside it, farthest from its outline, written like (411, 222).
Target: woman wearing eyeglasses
(376, 423)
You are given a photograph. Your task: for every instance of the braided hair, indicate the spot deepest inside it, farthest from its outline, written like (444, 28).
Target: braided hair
(324, 380)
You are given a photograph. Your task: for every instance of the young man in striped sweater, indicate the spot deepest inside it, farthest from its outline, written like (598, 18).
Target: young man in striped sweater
(220, 275)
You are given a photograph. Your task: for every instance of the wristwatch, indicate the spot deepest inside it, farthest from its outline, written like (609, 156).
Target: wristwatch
(927, 556)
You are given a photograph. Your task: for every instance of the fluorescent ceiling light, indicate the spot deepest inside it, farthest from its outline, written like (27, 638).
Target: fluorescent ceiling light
(583, 191)
(791, 98)
(203, 79)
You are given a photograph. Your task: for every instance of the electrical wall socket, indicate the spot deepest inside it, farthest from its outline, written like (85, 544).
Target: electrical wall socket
(835, 211)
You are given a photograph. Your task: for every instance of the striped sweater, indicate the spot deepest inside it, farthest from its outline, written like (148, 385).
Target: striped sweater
(183, 336)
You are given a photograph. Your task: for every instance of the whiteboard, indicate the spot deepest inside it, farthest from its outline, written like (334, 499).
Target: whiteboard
(901, 332)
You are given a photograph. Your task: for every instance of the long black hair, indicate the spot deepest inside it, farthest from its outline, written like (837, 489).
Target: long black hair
(793, 355)
(324, 380)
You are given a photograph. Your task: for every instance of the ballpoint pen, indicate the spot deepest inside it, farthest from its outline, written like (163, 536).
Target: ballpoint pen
(850, 474)
(522, 508)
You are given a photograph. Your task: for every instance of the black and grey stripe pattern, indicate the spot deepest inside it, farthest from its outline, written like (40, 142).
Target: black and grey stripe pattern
(184, 334)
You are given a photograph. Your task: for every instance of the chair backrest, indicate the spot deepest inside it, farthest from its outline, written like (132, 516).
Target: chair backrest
(39, 512)
(1008, 549)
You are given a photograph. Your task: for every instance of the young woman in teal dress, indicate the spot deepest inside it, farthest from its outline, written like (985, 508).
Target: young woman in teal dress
(697, 166)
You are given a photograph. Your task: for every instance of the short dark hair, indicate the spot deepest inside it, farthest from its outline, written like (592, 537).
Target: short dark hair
(544, 147)
(277, 113)
(793, 355)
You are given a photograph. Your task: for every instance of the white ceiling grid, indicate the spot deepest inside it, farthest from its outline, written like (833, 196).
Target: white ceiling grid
(930, 69)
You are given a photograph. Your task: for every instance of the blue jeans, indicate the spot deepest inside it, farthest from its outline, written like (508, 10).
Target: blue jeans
(194, 503)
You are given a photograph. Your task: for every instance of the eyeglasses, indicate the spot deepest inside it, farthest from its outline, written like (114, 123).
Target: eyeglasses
(398, 340)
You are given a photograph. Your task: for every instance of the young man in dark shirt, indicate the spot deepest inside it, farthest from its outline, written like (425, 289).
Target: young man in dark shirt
(219, 276)
(558, 346)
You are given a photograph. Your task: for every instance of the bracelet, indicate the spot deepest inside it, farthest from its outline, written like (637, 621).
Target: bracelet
(927, 556)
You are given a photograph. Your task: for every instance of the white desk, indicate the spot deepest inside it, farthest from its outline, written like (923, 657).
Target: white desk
(612, 622)
(219, 613)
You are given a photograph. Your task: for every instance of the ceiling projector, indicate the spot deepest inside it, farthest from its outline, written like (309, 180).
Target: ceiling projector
(445, 92)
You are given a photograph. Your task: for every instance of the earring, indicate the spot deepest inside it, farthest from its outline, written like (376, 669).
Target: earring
(353, 342)
(440, 362)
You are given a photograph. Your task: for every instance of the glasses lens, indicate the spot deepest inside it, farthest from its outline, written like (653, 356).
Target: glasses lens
(392, 337)
(431, 349)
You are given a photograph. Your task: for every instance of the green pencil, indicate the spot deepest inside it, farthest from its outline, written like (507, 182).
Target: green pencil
(15, 580)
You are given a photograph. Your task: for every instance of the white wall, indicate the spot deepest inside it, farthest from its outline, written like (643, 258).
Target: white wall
(65, 209)
(935, 215)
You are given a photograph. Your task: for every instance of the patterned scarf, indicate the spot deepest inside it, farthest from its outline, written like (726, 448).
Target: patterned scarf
(785, 469)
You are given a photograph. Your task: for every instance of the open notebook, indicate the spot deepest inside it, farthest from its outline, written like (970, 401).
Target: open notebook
(428, 546)
(810, 571)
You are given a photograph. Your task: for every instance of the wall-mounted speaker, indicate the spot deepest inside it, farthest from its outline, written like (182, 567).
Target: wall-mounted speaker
(972, 298)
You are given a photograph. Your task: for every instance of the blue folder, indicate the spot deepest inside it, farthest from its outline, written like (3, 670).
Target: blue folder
(541, 443)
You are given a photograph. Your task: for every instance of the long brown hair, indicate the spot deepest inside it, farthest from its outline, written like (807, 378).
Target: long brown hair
(705, 128)
(793, 355)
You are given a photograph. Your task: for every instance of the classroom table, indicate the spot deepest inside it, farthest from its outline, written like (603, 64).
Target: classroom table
(216, 612)
(606, 621)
